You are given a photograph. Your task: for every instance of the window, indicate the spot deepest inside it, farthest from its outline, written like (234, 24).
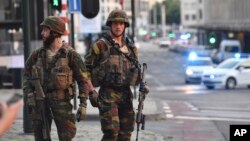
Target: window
(193, 17)
(232, 49)
(246, 65)
(11, 10)
(228, 64)
(187, 17)
(200, 14)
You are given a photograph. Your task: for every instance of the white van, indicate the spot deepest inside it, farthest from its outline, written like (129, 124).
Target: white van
(227, 49)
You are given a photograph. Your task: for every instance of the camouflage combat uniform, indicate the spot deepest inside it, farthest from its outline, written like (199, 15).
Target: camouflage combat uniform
(110, 70)
(57, 74)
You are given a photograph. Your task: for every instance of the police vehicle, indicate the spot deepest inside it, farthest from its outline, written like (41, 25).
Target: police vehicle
(195, 67)
(228, 74)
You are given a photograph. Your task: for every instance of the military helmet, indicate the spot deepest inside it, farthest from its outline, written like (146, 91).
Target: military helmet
(118, 15)
(55, 24)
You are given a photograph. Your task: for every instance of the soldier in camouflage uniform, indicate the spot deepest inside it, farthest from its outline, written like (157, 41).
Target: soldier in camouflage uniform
(58, 65)
(114, 73)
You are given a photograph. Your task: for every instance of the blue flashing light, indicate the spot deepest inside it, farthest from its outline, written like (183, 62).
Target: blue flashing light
(212, 76)
(188, 35)
(237, 55)
(192, 56)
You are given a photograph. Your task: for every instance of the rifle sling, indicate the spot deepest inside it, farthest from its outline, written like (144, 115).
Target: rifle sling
(112, 42)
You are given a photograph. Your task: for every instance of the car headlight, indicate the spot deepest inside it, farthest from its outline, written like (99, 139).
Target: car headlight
(189, 72)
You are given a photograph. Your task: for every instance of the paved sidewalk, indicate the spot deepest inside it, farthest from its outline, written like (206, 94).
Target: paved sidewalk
(88, 130)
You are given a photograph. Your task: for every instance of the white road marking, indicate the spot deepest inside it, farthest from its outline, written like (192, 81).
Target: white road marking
(169, 115)
(168, 111)
(212, 118)
(191, 106)
(166, 107)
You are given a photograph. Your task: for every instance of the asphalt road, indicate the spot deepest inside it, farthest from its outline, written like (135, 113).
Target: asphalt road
(192, 112)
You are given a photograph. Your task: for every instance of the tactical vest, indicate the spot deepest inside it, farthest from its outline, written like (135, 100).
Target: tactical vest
(114, 69)
(56, 75)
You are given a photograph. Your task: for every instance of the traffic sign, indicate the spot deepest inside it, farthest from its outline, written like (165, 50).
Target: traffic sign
(74, 6)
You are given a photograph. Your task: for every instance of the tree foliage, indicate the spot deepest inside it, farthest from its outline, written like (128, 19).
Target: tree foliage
(172, 11)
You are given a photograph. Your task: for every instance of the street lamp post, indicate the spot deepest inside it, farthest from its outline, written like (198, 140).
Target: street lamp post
(133, 18)
(27, 124)
(163, 19)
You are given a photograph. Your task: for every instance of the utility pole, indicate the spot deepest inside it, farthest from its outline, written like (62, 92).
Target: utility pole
(72, 37)
(163, 19)
(133, 18)
(27, 125)
(155, 16)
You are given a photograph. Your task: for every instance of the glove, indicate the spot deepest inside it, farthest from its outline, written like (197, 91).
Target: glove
(144, 88)
(81, 112)
(93, 98)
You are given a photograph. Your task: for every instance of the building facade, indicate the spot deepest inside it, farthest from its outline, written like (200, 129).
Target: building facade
(191, 12)
(106, 6)
(226, 19)
(142, 13)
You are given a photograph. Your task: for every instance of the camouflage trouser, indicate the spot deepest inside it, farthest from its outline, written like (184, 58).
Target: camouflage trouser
(64, 120)
(116, 114)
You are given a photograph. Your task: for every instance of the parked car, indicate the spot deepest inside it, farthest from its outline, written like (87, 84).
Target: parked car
(195, 68)
(164, 42)
(229, 74)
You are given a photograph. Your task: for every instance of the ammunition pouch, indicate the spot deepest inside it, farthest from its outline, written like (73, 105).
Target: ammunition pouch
(61, 78)
(115, 75)
(58, 94)
(97, 75)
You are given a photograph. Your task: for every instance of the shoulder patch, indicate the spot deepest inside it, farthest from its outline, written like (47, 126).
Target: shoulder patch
(96, 49)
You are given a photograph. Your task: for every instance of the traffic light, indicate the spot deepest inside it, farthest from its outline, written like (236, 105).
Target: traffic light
(153, 34)
(171, 35)
(212, 39)
(56, 4)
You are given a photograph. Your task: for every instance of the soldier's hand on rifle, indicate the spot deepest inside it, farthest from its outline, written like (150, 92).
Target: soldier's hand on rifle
(93, 98)
(81, 112)
(144, 88)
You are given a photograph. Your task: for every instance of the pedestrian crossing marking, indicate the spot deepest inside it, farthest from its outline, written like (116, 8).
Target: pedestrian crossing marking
(168, 110)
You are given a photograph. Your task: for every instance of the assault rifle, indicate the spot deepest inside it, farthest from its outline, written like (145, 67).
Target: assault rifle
(140, 117)
(40, 103)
